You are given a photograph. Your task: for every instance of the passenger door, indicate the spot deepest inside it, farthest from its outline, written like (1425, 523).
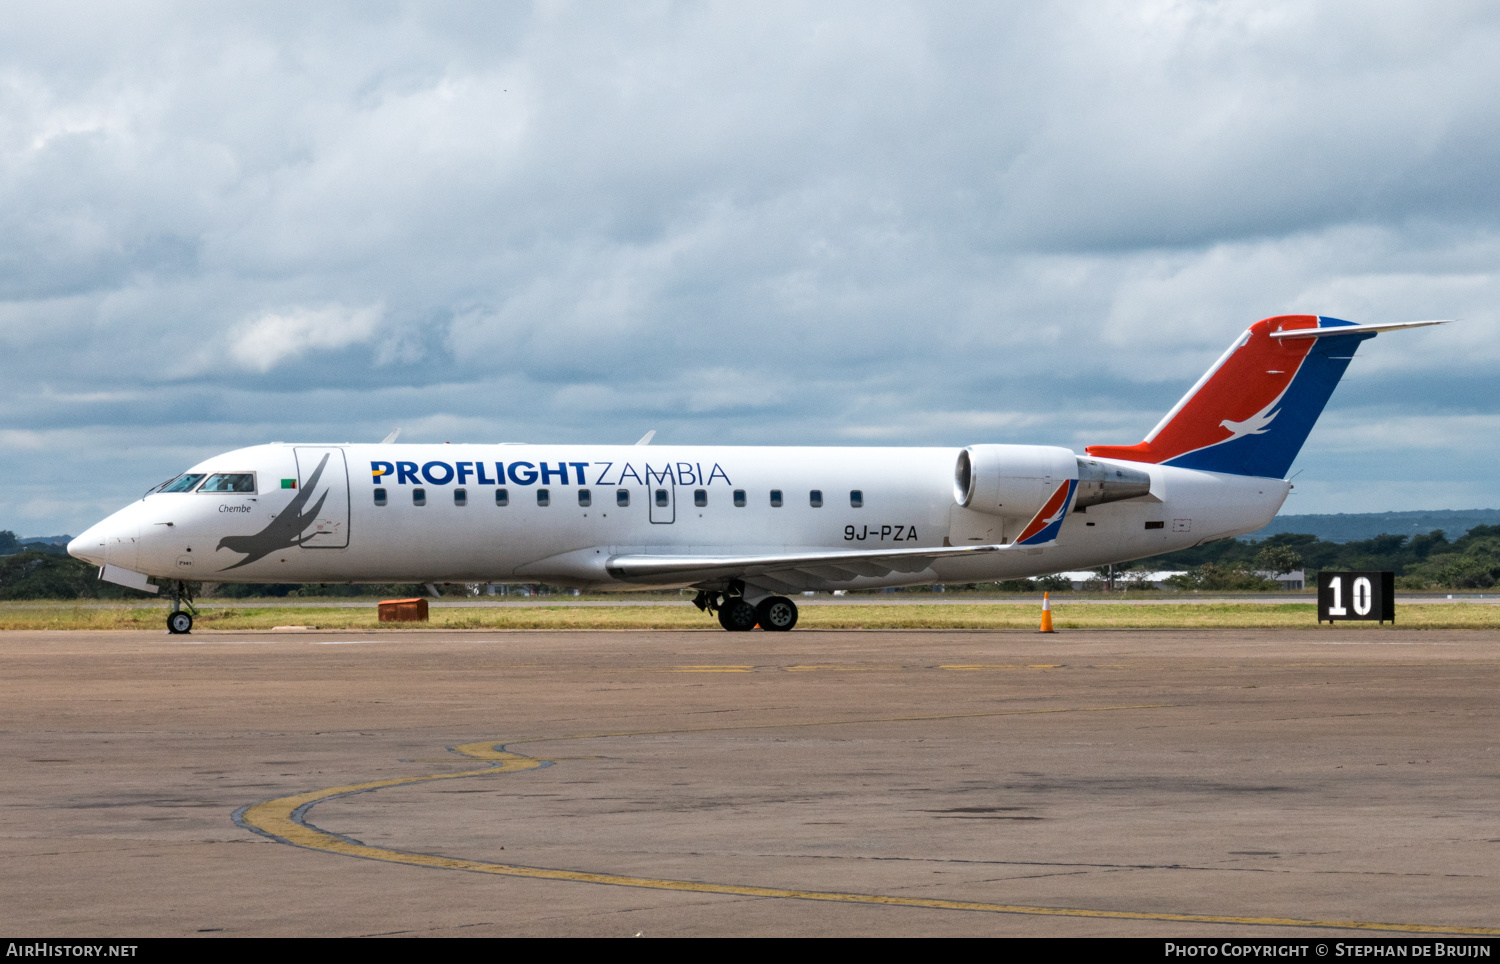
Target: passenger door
(663, 496)
(330, 528)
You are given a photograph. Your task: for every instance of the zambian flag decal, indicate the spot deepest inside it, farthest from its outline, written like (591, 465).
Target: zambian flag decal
(288, 483)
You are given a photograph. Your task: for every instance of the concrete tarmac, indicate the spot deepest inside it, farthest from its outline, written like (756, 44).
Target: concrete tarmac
(1165, 783)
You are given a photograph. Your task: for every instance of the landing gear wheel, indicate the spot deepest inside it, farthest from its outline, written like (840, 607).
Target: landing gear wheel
(736, 615)
(179, 623)
(778, 614)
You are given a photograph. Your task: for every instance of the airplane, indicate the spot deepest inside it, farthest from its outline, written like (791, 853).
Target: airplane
(747, 527)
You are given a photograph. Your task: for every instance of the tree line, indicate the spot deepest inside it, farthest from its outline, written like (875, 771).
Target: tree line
(1429, 561)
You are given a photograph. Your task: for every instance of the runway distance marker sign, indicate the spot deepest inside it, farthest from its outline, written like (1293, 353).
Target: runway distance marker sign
(1357, 595)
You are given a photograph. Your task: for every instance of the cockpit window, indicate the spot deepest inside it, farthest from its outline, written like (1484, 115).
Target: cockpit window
(230, 482)
(183, 483)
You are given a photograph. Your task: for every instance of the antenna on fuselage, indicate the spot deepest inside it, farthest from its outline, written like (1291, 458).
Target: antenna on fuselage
(391, 437)
(646, 439)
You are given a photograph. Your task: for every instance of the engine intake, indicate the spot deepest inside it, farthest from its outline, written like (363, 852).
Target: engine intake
(1011, 480)
(1017, 480)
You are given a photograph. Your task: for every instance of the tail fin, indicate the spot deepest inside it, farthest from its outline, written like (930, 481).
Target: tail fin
(1251, 412)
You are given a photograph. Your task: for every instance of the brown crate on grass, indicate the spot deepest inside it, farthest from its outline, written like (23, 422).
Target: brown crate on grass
(403, 611)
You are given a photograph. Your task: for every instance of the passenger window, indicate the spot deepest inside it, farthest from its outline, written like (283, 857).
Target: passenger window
(775, 498)
(230, 482)
(622, 497)
(856, 499)
(1155, 525)
(815, 498)
(661, 498)
(502, 496)
(585, 497)
(380, 496)
(543, 497)
(700, 498)
(739, 498)
(460, 496)
(418, 496)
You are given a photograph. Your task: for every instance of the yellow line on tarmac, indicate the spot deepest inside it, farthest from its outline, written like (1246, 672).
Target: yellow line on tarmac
(816, 667)
(281, 817)
(285, 819)
(976, 666)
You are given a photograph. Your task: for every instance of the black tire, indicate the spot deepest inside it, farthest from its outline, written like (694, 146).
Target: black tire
(179, 623)
(777, 614)
(737, 616)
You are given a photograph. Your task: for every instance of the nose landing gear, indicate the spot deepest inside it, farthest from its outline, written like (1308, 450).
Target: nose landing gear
(180, 619)
(775, 614)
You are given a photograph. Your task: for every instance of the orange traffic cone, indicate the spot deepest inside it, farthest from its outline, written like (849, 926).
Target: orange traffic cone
(1046, 614)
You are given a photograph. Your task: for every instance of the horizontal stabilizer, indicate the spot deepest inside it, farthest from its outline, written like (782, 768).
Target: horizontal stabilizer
(1354, 329)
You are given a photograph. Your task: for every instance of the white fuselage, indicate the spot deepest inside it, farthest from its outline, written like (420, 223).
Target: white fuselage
(905, 499)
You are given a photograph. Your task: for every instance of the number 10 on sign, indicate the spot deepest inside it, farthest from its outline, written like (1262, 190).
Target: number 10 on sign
(1356, 595)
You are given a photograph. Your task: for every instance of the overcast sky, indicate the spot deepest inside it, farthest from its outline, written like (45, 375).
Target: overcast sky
(811, 223)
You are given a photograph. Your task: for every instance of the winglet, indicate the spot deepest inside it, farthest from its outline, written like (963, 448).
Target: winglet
(1045, 525)
(646, 439)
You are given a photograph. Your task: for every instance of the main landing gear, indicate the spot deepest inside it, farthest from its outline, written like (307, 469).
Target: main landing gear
(180, 619)
(737, 614)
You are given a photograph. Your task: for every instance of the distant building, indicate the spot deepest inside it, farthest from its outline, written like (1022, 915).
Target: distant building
(1296, 579)
(1289, 581)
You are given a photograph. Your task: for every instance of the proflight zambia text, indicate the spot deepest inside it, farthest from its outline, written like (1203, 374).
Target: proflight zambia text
(546, 473)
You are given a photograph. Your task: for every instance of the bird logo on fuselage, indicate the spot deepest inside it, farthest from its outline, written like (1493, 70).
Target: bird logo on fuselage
(284, 531)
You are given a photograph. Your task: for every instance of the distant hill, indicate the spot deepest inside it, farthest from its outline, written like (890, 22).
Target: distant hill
(1358, 526)
(10, 545)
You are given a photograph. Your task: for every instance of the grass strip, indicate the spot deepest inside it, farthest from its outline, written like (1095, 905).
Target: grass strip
(63, 616)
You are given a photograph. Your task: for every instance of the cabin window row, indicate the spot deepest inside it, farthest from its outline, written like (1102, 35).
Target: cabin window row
(662, 497)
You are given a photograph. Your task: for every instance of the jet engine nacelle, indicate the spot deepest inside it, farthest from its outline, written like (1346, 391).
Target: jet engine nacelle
(1011, 480)
(1017, 480)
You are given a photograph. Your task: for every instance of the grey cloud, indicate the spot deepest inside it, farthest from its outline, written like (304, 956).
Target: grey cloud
(766, 224)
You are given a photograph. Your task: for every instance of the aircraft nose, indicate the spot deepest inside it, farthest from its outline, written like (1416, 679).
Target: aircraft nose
(112, 541)
(91, 546)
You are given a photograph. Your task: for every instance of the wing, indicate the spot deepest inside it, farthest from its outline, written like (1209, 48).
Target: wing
(818, 569)
(786, 572)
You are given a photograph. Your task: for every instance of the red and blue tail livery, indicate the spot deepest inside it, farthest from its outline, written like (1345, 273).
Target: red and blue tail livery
(1251, 412)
